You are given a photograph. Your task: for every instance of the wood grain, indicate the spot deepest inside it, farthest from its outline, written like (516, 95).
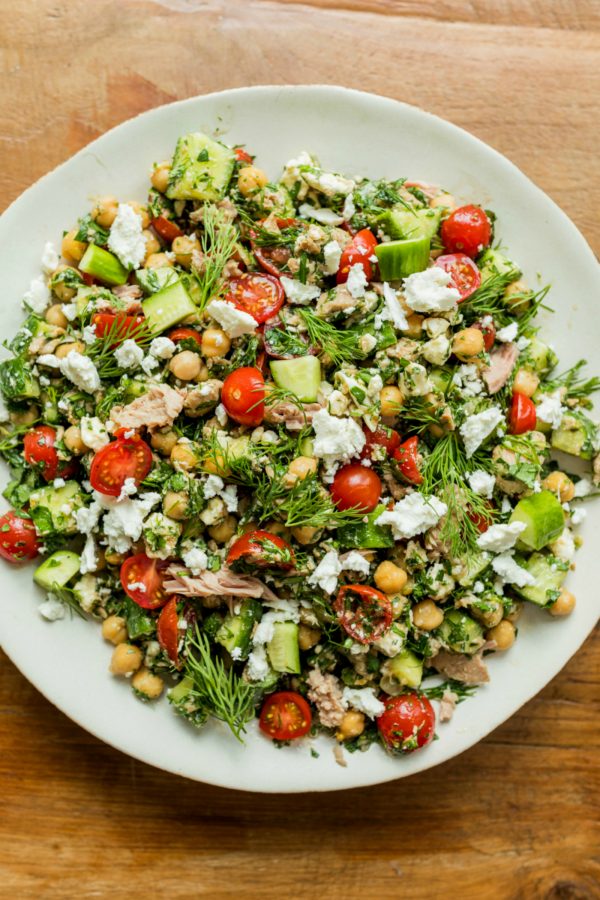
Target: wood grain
(515, 817)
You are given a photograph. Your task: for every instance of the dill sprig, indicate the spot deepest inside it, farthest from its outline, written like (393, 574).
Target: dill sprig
(488, 300)
(420, 414)
(339, 345)
(102, 351)
(534, 301)
(264, 237)
(462, 691)
(222, 693)
(218, 245)
(308, 503)
(67, 596)
(575, 386)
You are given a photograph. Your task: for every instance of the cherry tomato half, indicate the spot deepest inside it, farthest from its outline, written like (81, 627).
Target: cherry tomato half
(356, 487)
(481, 521)
(121, 459)
(488, 329)
(408, 460)
(18, 540)
(167, 630)
(122, 327)
(464, 274)
(381, 437)
(466, 230)
(407, 724)
(185, 334)
(363, 612)
(38, 449)
(166, 229)
(242, 155)
(261, 548)
(141, 579)
(285, 716)
(359, 250)
(273, 259)
(243, 395)
(523, 416)
(259, 295)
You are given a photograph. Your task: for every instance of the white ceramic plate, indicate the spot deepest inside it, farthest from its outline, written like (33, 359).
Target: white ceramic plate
(351, 133)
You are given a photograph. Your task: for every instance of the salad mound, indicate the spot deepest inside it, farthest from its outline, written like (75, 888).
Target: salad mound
(290, 444)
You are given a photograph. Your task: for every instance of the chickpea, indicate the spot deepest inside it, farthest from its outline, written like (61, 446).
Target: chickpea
(152, 243)
(104, 211)
(217, 465)
(157, 261)
(175, 504)
(59, 288)
(467, 343)
(563, 605)
(71, 249)
(250, 180)
(415, 326)
(73, 440)
(503, 634)
(202, 374)
(391, 399)
(560, 484)
(299, 469)
(513, 296)
(426, 615)
(306, 534)
(185, 365)
(148, 684)
(444, 200)
(126, 659)
(526, 382)
(141, 211)
(64, 349)
(215, 342)
(183, 247)
(183, 457)
(25, 416)
(515, 614)
(113, 558)
(275, 527)
(222, 531)
(308, 637)
(389, 577)
(351, 726)
(163, 441)
(160, 177)
(55, 316)
(114, 629)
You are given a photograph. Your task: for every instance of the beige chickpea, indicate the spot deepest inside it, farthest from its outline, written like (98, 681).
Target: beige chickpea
(563, 605)
(126, 659)
(467, 343)
(73, 440)
(183, 248)
(163, 441)
(148, 684)
(503, 634)
(25, 416)
(222, 531)
(71, 249)
(55, 316)
(175, 505)
(141, 211)
(160, 177)
(526, 382)
(351, 726)
(157, 261)
(561, 485)
(446, 201)
(391, 399)
(274, 526)
(513, 296)
(152, 243)
(215, 343)
(113, 558)
(299, 469)
(389, 577)
(516, 612)
(114, 629)
(250, 180)
(305, 534)
(414, 326)
(61, 290)
(426, 615)
(104, 211)
(183, 457)
(185, 365)
(308, 637)
(64, 349)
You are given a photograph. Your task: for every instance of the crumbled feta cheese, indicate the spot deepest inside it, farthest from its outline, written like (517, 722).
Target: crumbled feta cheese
(87, 517)
(258, 667)
(523, 343)
(52, 609)
(196, 560)
(324, 215)
(50, 258)
(213, 486)
(429, 291)
(337, 439)
(437, 350)
(356, 562)
(510, 572)
(413, 515)
(367, 343)
(467, 380)
(508, 333)
(330, 184)
(162, 348)
(482, 483)
(550, 409)
(583, 488)
(392, 310)
(578, 515)
(81, 371)
(58, 483)
(390, 643)
(357, 281)
(433, 327)
(478, 427)
(332, 253)
(233, 321)
(138, 586)
(506, 506)
(229, 495)
(37, 298)
(221, 415)
(49, 360)
(129, 355)
(297, 292)
(126, 238)
(93, 433)
(124, 520)
(128, 489)
(70, 311)
(564, 546)
(89, 560)
(149, 364)
(89, 334)
(364, 700)
(414, 381)
(499, 538)
(326, 574)
(349, 208)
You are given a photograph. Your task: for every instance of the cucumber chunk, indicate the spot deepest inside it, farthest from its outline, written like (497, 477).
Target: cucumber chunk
(401, 223)
(541, 356)
(406, 668)
(549, 573)
(234, 633)
(399, 259)
(16, 381)
(543, 517)
(201, 168)
(153, 280)
(492, 262)
(168, 307)
(575, 435)
(103, 265)
(474, 566)
(58, 569)
(283, 650)
(53, 509)
(366, 535)
(302, 376)
(460, 633)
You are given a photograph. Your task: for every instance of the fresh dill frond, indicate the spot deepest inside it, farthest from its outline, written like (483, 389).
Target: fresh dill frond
(264, 237)
(67, 596)
(488, 300)
(339, 345)
(286, 343)
(575, 386)
(308, 503)
(532, 302)
(460, 690)
(218, 245)
(89, 232)
(102, 351)
(420, 414)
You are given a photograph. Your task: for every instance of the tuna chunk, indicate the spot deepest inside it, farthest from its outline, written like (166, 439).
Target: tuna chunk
(288, 414)
(128, 300)
(466, 669)
(447, 705)
(502, 362)
(158, 407)
(223, 584)
(201, 398)
(325, 692)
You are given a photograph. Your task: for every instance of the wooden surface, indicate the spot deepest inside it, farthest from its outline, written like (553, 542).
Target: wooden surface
(515, 817)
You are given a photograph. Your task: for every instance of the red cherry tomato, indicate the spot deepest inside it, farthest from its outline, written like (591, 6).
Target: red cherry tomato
(141, 579)
(381, 437)
(273, 259)
(259, 295)
(489, 334)
(363, 612)
(243, 395)
(38, 449)
(481, 521)
(285, 716)
(242, 156)
(407, 724)
(359, 250)
(18, 540)
(408, 460)
(167, 630)
(121, 459)
(523, 416)
(464, 274)
(185, 334)
(87, 279)
(166, 229)
(356, 487)
(121, 326)
(261, 548)
(466, 230)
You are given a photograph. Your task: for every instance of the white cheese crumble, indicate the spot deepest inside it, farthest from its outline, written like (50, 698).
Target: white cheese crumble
(356, 562)
(129, 355)
(583, 488)
(413, 515)
(481, 483)
(233, 321)
(349, 208)
(478, 427)
(52, 609)
(124, 520)
(467, 380)
(126, 238)
(428, 291)
(93, 433)
(162, 348)
(258, 667)
(337, 439)
(510, 572)
(37, 298)
(364, 700)
(196, 560)
(89, 560)
(357, 281)
(550, 409)
(326, 574)
(392, 310)
(81, 371)
(332, 253)
(324, 215)
(508, 333)
(299, 293)
(437, 350)
(70, 311)
(564, 546)
(89, 334)
(331, 184)
(578, 515)
(50, 258)
(499, 538)
(221, 415)
(128, 489)
(523, 343)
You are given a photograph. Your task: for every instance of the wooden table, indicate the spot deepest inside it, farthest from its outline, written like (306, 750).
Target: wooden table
(516, 816)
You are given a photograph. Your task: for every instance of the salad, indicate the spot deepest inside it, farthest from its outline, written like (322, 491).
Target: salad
(291, 445)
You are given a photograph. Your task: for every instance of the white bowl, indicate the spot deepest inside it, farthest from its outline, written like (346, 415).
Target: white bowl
(350, 132)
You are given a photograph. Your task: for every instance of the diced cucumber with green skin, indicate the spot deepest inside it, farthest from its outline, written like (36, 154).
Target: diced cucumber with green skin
(153, 280)
(16, 380)
(236, 630)
(366, 535)
(399, 259)
(201, 168)
(181, 689)
(52, 413)
(133, 388)
(57, 570)
(460, 633)
(302, 376)
(53, 509)
(475, 564)
(543, 517)
(31, 327)
(84, 295)
(406, 668)
(168, 307)
(400, 223)
(283, 650)
(492, 262)
(539, 356)
(139, 623)
(549, 573)
(575, 435)
(307, 447)
(440, 379)
(103, 265)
